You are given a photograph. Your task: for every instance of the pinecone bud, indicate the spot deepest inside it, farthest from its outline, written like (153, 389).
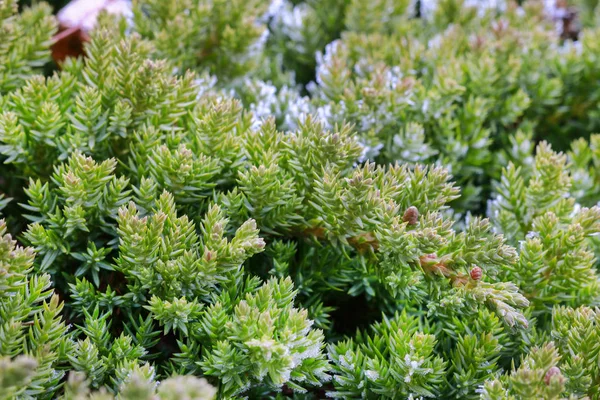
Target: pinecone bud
(411, 215)
(476, 273)
(551, 372)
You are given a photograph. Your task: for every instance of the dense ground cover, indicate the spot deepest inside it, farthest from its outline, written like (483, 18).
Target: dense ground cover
(308, 199)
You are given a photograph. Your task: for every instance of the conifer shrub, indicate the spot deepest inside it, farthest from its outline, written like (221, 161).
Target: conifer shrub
(307, 200)
(26, 38)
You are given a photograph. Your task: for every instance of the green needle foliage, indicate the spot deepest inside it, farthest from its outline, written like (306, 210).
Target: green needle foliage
(220, 37)
(567, 363)
(534, 209)
(26, 39)
(398, 360)
(286, 200)
(25, 50)
(33, 345)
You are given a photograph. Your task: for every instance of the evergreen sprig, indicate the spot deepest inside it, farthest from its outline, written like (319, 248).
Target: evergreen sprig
(254, 200)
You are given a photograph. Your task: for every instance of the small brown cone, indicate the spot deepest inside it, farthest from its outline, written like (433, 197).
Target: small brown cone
(551, 372)
(411, 215)
(476, 273)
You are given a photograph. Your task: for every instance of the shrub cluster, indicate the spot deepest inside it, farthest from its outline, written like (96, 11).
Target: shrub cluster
(310, 199)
